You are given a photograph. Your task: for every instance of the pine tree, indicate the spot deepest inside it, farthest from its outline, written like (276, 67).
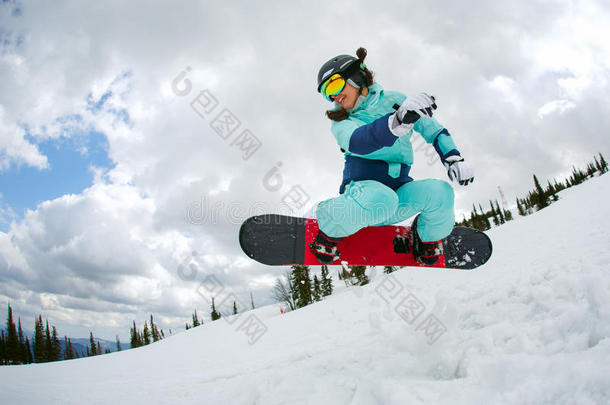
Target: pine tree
(500, 213)
(13, 352)
(118, 344)
(154, 330)
(551, 192)
(345, 275)
(99, 348)
(577, 176)
(55, 345)
(92, 349)
(68, 350)
(477, 220)
(196, 321)
(483, 220)
(215, 315)
(469, 222)
(540, 195)
(28, 351)
(598, 166)
(40, 354)
(48, 343)
(327, 282)
(301, 286)
(603, 164)
(234, 308)
(136, 340)
(154, 335)
(494, 214)
(475, 213)
(146, 334)
(316, 293)
(359, 274)
(473, 221)
(23, 356)
(591, 170)
(3, 359)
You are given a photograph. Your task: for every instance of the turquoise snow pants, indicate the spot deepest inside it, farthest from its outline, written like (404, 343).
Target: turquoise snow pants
(370, 203)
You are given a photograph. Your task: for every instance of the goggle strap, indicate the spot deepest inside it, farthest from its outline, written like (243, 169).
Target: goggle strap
(353, 83)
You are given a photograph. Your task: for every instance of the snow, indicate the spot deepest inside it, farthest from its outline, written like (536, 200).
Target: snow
(530, 327)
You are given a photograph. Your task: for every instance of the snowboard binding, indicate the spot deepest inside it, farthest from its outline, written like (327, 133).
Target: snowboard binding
(325, 248)
(427, 253)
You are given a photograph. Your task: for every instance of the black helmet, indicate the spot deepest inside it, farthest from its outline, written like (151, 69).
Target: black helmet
(348, 66)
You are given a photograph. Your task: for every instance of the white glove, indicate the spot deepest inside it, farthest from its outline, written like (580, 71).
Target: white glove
(458, 170)
(422, 104)
(405, 117)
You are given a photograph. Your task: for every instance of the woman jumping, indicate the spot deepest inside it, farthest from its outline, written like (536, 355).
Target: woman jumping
(373, 128)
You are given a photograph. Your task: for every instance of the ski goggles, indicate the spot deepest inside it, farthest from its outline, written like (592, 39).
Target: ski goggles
(332, 86)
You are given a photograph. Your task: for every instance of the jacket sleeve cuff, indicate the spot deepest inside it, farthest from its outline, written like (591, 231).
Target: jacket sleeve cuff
(444, 145)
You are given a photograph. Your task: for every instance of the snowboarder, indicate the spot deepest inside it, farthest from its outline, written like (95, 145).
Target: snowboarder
(373, 128)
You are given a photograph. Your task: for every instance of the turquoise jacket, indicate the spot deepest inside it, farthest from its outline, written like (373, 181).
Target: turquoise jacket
(372, 152)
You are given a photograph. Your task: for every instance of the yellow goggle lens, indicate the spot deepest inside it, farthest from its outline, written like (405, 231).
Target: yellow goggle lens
(332, 86)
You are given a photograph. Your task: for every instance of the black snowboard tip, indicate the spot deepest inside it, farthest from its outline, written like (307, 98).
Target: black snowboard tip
(467, 248)
(273, 239)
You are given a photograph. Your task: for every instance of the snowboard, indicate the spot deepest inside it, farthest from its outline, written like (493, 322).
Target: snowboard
(284, 240)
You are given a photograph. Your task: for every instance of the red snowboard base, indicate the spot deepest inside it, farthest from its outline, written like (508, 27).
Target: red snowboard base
(369, 246)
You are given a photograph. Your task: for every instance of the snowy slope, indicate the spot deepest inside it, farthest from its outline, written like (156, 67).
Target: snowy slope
(530, 327)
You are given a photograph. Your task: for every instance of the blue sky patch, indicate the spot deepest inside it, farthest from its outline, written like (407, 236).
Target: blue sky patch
(95, 105)
(17, 9)
(69, 172)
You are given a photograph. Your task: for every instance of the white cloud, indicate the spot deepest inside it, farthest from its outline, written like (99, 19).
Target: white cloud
(508, 89)
(11, 258)
(555, 106)
(15, 149)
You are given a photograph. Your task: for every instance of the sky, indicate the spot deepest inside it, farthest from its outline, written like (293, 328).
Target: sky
(136, 137)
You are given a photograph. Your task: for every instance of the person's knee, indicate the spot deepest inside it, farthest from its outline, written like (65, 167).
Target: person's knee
(363, 204)
(444, 195)
(378, 201)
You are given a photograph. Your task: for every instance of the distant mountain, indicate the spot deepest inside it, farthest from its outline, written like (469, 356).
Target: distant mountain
(80, 344)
